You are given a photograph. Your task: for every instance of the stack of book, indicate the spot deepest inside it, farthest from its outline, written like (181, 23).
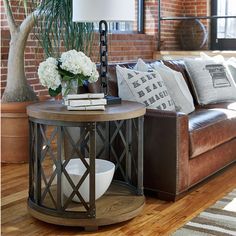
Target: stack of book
(85, 102)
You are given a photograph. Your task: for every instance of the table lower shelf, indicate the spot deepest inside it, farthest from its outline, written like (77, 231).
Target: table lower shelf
(118, 204)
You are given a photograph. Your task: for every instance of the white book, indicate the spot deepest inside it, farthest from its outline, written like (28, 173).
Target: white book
(85, 95)
(86, 108)
(66, 102)
(86, 102)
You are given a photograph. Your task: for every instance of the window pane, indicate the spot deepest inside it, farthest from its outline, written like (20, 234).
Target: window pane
(118, 26)
(226, 27)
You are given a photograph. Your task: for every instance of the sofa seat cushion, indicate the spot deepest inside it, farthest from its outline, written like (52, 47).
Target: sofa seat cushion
(209, 128)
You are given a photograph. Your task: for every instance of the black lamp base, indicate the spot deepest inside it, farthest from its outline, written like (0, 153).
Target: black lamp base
(103, 28)
(111, 100)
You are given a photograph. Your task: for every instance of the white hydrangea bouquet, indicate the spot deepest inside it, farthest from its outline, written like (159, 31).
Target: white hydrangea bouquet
(68, 72)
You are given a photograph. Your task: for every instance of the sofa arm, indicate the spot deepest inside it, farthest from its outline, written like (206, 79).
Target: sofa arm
(166, 153)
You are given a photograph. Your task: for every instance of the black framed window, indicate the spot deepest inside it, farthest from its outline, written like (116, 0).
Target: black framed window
(223, 30)
(124, 27)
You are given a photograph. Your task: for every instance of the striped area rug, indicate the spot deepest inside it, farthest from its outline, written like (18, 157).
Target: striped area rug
(219, 219)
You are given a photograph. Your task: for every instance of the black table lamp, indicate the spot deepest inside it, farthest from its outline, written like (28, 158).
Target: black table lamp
(104, 11)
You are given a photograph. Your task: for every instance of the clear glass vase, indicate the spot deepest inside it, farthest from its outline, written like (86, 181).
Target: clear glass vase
(69, 87)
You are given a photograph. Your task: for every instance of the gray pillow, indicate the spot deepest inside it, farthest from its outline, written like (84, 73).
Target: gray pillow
(232, 67)
(212, 82)
(177, 88)
(231, 62)
(175, 84)
(144, 87)
(141, 66)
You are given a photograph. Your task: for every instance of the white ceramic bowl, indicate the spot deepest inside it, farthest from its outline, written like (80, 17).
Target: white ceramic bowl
(75, 168)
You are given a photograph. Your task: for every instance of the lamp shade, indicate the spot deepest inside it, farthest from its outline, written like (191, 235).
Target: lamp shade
(108, 10)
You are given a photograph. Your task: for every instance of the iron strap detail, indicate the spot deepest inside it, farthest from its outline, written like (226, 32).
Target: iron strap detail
(120, 142)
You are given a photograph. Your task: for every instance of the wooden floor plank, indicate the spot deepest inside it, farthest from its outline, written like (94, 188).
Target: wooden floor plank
(158, 218)
(14, 197)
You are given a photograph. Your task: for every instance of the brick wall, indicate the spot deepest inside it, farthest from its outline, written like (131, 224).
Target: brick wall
(150, 17)
(33, 53)
(122, 47)
(171, 29)
(198, 8)
(195, 7)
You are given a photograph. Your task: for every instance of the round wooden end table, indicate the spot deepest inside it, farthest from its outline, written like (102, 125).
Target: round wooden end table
(58, 135)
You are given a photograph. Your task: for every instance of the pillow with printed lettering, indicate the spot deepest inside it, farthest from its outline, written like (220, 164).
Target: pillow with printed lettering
(141, 66)
(174, 82)
(212, 81)
(144, 87)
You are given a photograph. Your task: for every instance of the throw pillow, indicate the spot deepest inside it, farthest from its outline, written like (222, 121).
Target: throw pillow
(177, 88)
(145, 87)
(231, 62)
(212, 82)
(141, 66)
(216, 58)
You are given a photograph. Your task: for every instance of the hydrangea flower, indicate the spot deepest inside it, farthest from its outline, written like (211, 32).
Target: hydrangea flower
(94, 77)
(72, 66)
(48, 73)
(78, 63)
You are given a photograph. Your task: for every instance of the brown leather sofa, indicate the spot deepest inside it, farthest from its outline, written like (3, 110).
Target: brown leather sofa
(182, 150)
